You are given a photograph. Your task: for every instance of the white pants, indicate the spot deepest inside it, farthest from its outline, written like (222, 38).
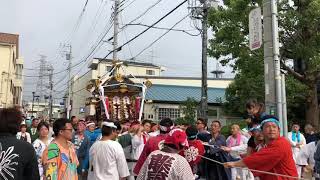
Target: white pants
(241, 174)
(299, 170)
(131, 166)
(238, 173)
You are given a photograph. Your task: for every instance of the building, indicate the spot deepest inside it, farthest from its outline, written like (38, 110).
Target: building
(163, 98)
(100, 68)
(11, 68)
(41, 110)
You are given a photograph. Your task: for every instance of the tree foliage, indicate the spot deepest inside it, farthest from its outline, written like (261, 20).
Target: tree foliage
(188, 109)
(299, 25)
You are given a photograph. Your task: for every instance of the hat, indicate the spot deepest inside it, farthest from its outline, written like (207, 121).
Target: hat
(178, 138)
(89, 123)
(109, 124)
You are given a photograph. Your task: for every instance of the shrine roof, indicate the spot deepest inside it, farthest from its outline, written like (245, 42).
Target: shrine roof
(173, 93)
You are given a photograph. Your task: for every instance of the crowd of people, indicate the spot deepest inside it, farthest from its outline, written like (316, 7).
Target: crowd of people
(87, 149)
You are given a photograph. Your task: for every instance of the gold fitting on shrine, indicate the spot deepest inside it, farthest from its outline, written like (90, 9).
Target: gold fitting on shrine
(123, 88)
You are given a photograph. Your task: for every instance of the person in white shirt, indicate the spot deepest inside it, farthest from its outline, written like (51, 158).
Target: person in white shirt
(154, 130)
(23, 134)
(306, 156)
(297, 141)
(236, 145)
(41, 144)
(107, 159)
(140, 138)
(51, 133)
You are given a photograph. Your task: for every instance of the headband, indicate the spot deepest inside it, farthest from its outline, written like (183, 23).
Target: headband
(109, 124)
(270, 120)
(90, 123)
(257, 128)
(165, 129)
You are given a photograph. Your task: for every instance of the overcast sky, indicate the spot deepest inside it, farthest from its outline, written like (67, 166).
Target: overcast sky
(43, 25)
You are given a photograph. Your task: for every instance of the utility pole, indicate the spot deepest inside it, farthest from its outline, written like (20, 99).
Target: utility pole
(284, 104)
(199, 11)
(69, 99)
(115, 29)
(204, 80)
(51, 89)
(32, 102)
(273, 98)
(33, 96)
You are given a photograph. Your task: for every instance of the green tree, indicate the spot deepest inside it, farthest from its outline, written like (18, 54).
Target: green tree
(300, 42)
(188, 109)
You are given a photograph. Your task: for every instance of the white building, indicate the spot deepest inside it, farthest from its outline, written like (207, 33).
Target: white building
(99, 68)
(41, 109)
(163, 98)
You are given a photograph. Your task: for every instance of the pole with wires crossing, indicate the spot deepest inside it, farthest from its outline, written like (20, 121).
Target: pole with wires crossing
(115, 29)
(69, 92)
(199, 11)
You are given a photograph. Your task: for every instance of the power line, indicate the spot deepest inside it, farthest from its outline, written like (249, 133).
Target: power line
(93, 48)
(146, 11)
(79, 20)
(94, 23)
(77, 78)
(126, 36)
(65, 70)
(156, 40)
(102, 36)
(148, 28)
(139, 16)
(161, 28)
(129, 4)
(80, 62)
(70, 36)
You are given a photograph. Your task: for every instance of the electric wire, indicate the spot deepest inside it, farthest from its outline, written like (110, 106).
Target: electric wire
(148, 28)
(156, 40)
(161, 28)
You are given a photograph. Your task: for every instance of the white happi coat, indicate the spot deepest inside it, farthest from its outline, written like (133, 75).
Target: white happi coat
(296, 150)
(306, 155)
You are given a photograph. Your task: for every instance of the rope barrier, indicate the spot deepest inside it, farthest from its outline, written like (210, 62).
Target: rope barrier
(254, 170)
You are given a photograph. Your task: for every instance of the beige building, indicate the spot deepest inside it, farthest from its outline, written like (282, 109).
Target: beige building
(99, 68)
(41, 109)
(11, 68)
(164, 97)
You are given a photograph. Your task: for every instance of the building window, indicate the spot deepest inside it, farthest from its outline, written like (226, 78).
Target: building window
(172, 113)
(109, 68)
(212, 112)
(150, 72)
(150, 116)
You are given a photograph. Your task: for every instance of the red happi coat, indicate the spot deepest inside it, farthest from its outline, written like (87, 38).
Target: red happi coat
(275, 157)
(192, 153)
(153, 144)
